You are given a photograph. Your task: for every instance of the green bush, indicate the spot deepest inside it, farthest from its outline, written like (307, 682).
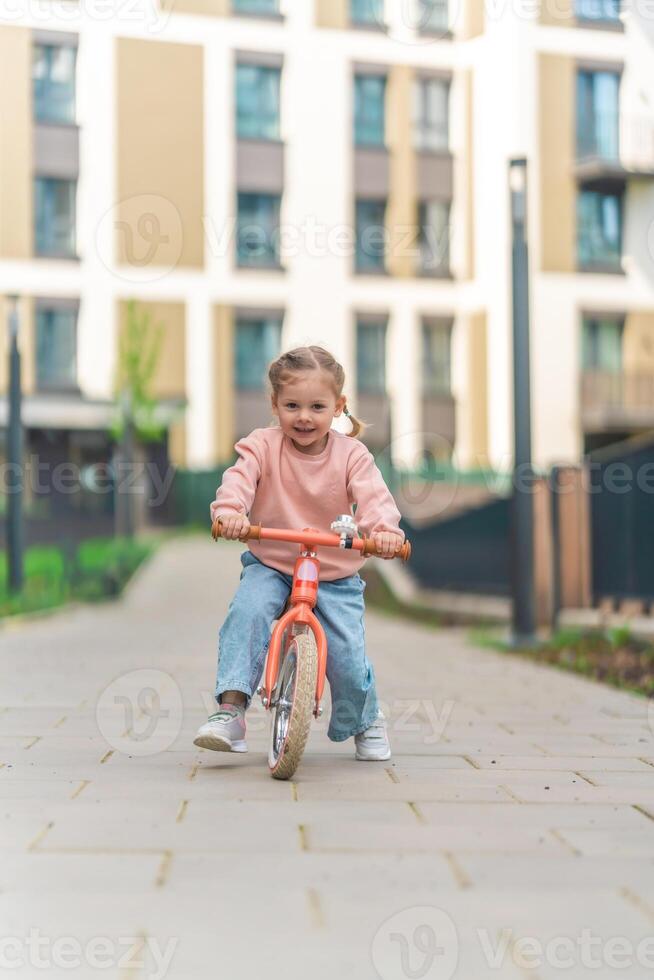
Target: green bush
(99, 568)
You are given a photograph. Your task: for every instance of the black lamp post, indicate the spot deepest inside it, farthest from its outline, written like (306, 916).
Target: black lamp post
(14, 458)
(524, 619)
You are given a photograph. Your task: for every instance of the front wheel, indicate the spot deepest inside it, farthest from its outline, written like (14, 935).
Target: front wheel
(292, 713)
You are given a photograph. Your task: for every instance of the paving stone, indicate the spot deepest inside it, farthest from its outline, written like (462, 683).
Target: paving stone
(101, 835)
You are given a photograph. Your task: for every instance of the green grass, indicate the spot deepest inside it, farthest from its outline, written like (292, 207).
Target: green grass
(95, 570)
(612, 656)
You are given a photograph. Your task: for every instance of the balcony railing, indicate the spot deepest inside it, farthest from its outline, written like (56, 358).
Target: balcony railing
(613, 143)
(616, 400)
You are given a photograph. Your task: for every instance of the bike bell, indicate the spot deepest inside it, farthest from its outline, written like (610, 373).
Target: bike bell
(346, 527)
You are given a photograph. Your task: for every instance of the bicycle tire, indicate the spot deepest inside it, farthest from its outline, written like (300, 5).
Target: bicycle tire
(292, 714)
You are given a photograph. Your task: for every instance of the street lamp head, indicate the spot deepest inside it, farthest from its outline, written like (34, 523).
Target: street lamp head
(518, 175)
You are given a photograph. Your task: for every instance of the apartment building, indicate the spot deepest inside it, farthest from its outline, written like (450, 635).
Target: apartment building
(261, 173)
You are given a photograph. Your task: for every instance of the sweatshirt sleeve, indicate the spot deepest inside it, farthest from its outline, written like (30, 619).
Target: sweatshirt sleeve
(376, 508)
(235, 495)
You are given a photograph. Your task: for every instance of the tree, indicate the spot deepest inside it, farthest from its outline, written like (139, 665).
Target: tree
(139, 417)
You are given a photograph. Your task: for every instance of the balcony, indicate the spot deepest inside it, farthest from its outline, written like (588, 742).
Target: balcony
(616, 401)
(613, 148)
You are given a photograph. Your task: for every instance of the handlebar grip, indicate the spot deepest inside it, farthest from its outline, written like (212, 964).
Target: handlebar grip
(253, 534)
(369, 548)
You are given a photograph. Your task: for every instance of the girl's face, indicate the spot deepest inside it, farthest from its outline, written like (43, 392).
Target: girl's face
(306, 406)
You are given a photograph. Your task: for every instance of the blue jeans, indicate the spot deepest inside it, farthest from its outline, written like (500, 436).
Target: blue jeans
(245, 636)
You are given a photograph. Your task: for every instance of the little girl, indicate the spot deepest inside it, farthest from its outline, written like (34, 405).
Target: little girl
(302, 473)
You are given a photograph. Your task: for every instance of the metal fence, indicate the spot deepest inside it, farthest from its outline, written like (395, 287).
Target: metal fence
(622, 521)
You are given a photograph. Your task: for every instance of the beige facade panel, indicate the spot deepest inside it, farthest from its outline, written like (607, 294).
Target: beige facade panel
(638, 343)
(469, 177)
(474, 18)
(223, 379)
(207, 8)
(477, 387)
(401, 216)
(16, 167)
(170, 376)
(332, 13)
(557, 185)
(557, 13)
(160, 163)
(169, 380)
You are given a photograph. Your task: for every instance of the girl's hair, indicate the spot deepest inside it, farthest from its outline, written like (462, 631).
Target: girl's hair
(311, 358)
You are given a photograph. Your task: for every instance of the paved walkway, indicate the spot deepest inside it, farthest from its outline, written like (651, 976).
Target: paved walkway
(511, 836)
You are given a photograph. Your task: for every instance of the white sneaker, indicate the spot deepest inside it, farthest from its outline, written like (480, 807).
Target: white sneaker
(224, 731)
(373, 745)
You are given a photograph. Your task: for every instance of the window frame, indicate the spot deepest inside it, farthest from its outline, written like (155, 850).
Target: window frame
(365, 122)
(262, 117)
(606, 262)
(47, 84)
(44, 188)
(379, 385)
(68, 383)
(273, 229)
(242, 323)
(427, 133)
(378, 267)
(430, 326)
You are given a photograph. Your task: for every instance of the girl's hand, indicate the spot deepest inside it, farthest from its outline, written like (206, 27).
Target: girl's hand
(387, 543)
(233, 526)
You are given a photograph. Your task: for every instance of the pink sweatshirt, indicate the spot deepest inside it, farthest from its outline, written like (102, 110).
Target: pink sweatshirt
(278, 486)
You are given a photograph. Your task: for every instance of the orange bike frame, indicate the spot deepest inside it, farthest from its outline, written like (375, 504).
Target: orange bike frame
(303, 597)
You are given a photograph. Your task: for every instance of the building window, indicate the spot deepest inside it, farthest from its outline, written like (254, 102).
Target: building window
(258, 230)
(54, 216)
(602, 344)
(433, 16)
(607, 11)
(265, 7)
(371, 358)
(257, 102)
(436, 357)
(434, 237)
(258, 342)
(56, 348)
(370, 235)
(369, 110)
(367, 12)
(599, 230)
(598, 114)
(431, 98)
(53, 83)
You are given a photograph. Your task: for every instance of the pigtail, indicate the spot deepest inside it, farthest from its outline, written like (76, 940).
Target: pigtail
(358, 426)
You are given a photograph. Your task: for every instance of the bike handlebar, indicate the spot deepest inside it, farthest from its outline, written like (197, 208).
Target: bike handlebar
(309, 537)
